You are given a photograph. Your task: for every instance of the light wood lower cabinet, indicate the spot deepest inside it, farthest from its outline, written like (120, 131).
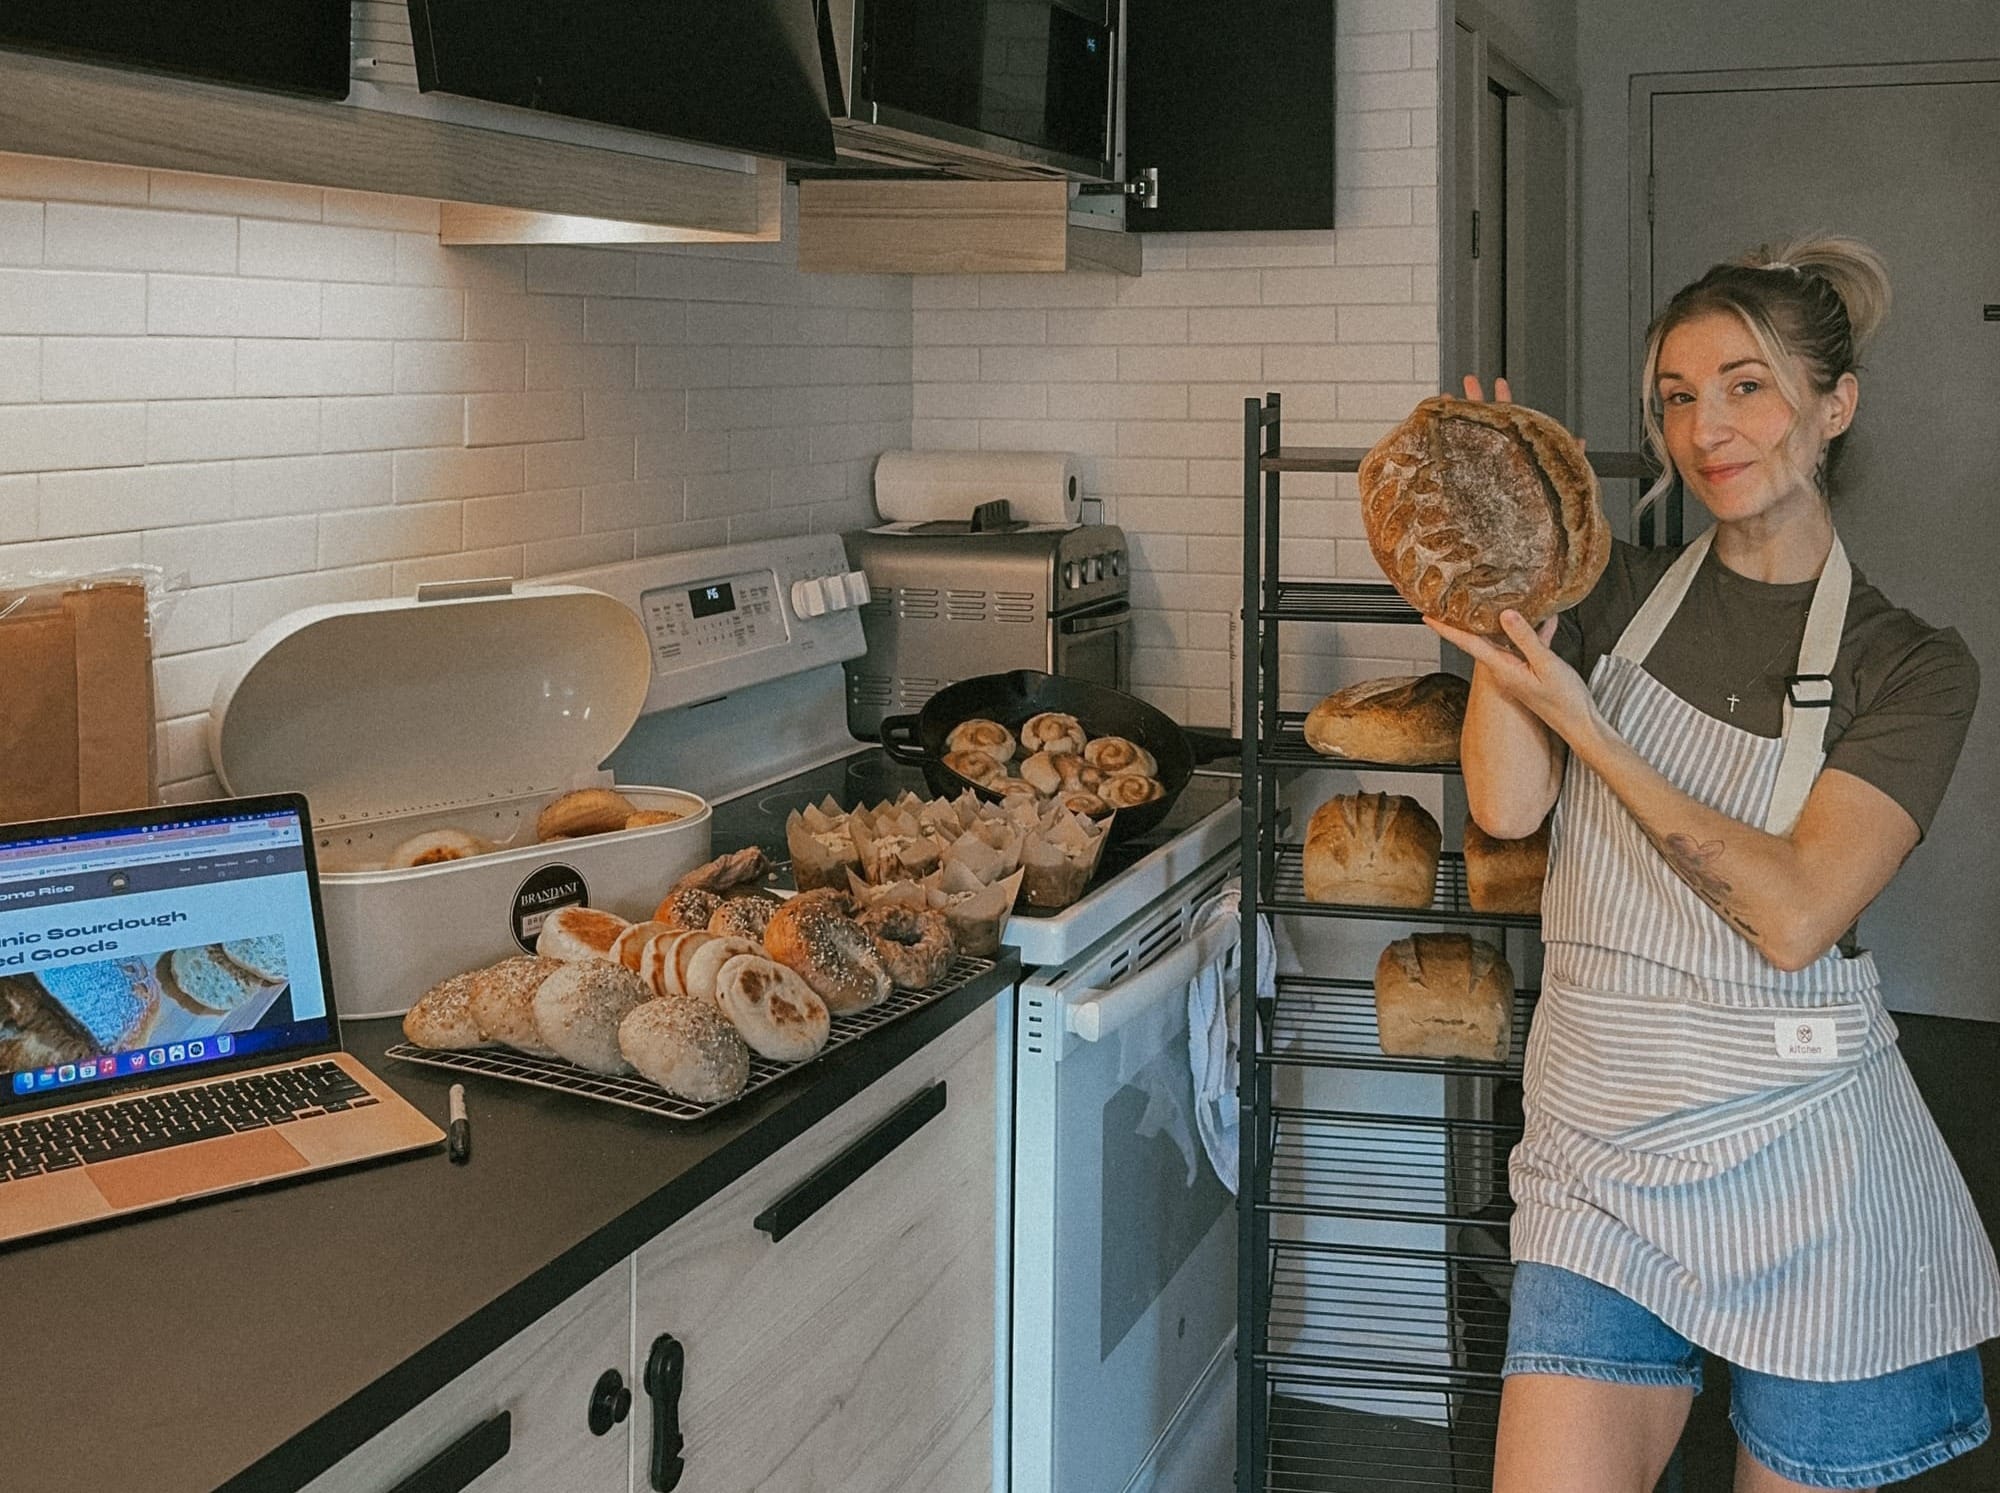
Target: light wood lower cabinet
(542, 1379)
(854, 1354)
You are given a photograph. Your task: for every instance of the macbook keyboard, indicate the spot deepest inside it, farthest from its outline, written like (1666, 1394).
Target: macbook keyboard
(152, 1122)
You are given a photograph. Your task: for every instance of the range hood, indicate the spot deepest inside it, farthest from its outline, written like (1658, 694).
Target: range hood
(998, 89)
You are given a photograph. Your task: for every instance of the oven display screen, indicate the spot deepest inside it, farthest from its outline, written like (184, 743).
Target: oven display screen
(712, 601)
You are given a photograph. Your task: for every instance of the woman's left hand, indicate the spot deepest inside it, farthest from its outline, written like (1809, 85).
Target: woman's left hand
(1529, 672)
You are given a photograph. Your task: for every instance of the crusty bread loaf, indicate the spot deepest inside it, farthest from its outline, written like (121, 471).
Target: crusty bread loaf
(1473, 508)
(1407, 719)
(1444, 995)
(578, 1010)
(1505, 875)
(1380, 849)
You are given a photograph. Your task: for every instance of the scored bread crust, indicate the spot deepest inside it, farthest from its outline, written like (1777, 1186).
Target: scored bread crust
(1377, 849)
(1473, 508)
(1409, 719)
(1444, 995)
(1505, 875)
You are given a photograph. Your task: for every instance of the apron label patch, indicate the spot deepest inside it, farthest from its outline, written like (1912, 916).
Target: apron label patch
(1806, 1039)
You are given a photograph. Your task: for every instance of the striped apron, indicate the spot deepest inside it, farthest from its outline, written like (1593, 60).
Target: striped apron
(1738, 1148)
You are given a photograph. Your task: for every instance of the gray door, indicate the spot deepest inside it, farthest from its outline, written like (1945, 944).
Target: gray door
(1913, 169)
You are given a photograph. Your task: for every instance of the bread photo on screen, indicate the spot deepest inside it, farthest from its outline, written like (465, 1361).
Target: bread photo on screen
(1408, 720)
(1375, 849)
(1474, 508)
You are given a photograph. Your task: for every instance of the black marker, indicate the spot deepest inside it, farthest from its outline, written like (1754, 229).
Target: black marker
(458, 1138)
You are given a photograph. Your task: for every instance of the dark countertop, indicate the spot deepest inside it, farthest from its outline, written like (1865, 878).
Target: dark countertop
(251, 1341)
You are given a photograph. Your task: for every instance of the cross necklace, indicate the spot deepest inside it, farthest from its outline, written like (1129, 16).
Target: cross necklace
(1732, 699)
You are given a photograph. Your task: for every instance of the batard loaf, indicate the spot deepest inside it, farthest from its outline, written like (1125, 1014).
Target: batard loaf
(1505, 875)
(1444, 995)
(1379, 849)
(1473, 508)
(1407, 719)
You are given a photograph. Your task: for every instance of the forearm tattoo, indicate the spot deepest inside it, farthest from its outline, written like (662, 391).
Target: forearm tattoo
(1694, 861)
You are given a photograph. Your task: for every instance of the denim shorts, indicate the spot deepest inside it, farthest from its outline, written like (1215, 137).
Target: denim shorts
(1857, 1433)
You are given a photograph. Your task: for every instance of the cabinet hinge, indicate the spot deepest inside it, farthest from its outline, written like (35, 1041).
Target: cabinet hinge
(1475, 233)
(1143, 189)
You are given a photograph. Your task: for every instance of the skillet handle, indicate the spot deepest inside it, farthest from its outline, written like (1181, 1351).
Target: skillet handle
(1207, 747)
(899, 739)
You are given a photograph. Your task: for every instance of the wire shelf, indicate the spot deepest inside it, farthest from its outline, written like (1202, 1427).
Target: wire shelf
(1418, 1316)
(1390, 1168)
(1326, 1023)
(1350, 1434)
(1314, 459)
(1340, 601)
(1288, 749)
(634, 1092)
(1449, 900)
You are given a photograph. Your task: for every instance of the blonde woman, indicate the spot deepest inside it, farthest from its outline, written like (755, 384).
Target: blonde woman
(1741, 741)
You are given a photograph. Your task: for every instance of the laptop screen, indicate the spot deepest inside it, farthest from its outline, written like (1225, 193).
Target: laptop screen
(157, 945)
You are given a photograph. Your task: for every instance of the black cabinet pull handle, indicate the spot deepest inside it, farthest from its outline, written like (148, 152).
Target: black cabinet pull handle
(666, 1370)
(610, 1402)
(841, 1173)
(453, 1469)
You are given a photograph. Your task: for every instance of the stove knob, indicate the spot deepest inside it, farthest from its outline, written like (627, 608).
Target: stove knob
(1117, 563)
(858, 592)
(1094, 567)
(809, 598)
(1069, 575)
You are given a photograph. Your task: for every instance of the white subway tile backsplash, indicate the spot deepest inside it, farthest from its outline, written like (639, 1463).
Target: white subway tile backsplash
(1413, 323)
(385, 422)
(547, 556)
(381, 210)
(1378, 129)
(1179, 365)
(510, 419)
(67, 303)
(312, 484)
(683, 453)
(608, 319)
(578, 271)
(422, 260)
(317, 251)
(20, 370)
(502, 316)
(1127, 324)
(309, 366)
(365, 535)
(552, 464)
(254, 605)
(519, 517)
(64, 437)
(184, 685)
(1059, 364)
(1343, 287)
(18, 510)
(978, 328)
(457, 472)
(467, 565)
(128, 499)
(84, 236)
(1389, 246)
(560, 365)
(1191, 288)
(216, 554)
(195, 618)
(400, 312)
(1262, 324)
(1393, 168)
(20, 233)
(460, 367)
(1362, 92)
(218, 306)
(216, 429)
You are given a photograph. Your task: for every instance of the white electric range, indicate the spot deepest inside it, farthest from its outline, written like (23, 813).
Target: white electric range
(1116, 1313)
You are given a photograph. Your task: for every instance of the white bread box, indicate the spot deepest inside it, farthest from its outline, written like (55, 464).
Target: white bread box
(469, 707)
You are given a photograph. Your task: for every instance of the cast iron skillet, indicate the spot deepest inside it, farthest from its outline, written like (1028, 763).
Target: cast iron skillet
(1010, 699)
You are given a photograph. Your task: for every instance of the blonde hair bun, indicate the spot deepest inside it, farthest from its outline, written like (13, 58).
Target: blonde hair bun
(1858, 275)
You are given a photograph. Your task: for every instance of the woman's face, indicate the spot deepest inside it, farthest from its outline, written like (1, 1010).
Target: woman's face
(1726, 423)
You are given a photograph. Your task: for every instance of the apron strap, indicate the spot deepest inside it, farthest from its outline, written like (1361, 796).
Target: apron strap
(1809, 693)
(1644, 630)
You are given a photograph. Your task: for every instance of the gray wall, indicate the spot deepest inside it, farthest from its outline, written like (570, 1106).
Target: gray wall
(1617, 39)
(1537, 36)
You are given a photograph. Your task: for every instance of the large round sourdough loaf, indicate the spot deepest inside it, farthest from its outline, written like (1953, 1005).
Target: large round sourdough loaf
(1474, 508)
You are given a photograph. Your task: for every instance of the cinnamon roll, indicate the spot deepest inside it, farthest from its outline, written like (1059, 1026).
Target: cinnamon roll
(1054, 733)
(990, 737)
(1113, 755)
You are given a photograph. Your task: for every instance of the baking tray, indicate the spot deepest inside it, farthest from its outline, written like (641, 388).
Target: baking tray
(634, 1092)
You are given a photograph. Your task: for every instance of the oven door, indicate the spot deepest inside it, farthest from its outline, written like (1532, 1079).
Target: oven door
(1095, 645)
(1124, 1242)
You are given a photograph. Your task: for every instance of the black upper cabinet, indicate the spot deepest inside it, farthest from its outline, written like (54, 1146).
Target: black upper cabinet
(742, 74)
(1233, 103)
(290, 46)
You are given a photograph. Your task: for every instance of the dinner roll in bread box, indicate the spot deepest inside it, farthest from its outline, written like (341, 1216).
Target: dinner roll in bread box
(468, 708)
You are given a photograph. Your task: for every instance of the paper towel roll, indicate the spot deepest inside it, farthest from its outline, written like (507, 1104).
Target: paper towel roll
(1041, 487)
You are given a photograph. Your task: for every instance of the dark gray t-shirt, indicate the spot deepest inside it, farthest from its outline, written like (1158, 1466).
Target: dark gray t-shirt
(1903, 691)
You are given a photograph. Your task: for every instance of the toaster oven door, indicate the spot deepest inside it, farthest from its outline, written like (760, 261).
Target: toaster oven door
(1096, 645)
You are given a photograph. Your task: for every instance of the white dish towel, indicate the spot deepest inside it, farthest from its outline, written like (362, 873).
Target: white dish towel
(1213, 1027)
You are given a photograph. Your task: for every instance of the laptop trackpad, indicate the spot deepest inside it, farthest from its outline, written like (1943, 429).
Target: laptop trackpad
(189, 1171)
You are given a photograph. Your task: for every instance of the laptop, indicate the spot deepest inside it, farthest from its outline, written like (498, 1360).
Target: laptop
(167, 1020)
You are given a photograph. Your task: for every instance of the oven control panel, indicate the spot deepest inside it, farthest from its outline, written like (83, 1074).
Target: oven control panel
(721, 620)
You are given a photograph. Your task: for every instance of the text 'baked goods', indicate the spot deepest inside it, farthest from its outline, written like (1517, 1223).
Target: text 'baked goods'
(1474, 508)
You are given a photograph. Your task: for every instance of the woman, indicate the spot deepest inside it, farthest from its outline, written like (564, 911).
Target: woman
(1723, 1148)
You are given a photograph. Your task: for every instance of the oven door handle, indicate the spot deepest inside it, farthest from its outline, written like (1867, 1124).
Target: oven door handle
(1105, 1011)
(1094, 621)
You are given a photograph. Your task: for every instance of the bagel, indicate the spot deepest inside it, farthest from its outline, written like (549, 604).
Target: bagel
(434, 847)
(772, 1009)
(587, 811)
(813, 936)
(744, 917)
(687, 907)
(914, 944)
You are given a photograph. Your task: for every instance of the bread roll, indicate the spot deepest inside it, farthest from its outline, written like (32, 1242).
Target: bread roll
(1112, 755)
(200, 979)
(990, 737)
(578, 1010)
(659, 963)
(772, 1009)
(1505, 875)
(436, 847)
(1060, 772)
(587, 811)
(261, 958)
(629, 947)
(1377, 849)
(1054, 732)
(579, 933)
(1129, 790)
(647, 818)
(1473, 508)
(1407, 719)
(503, 1002)
(1444, 995)
(442, 1016)
(976, 767)
(686, 1047)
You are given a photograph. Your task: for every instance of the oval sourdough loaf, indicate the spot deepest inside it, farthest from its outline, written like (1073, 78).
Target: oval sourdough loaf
(1444, 995)
(1473, 508)
(1407, 719)
(1379, 849)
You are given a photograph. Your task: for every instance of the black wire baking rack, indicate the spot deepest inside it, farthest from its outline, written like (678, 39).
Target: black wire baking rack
(1317, 1022)
(634, 1092)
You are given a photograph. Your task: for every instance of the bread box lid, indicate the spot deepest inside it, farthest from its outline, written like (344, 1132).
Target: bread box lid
(379, 708)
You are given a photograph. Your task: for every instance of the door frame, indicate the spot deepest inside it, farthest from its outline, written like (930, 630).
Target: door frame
(1645, 87)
